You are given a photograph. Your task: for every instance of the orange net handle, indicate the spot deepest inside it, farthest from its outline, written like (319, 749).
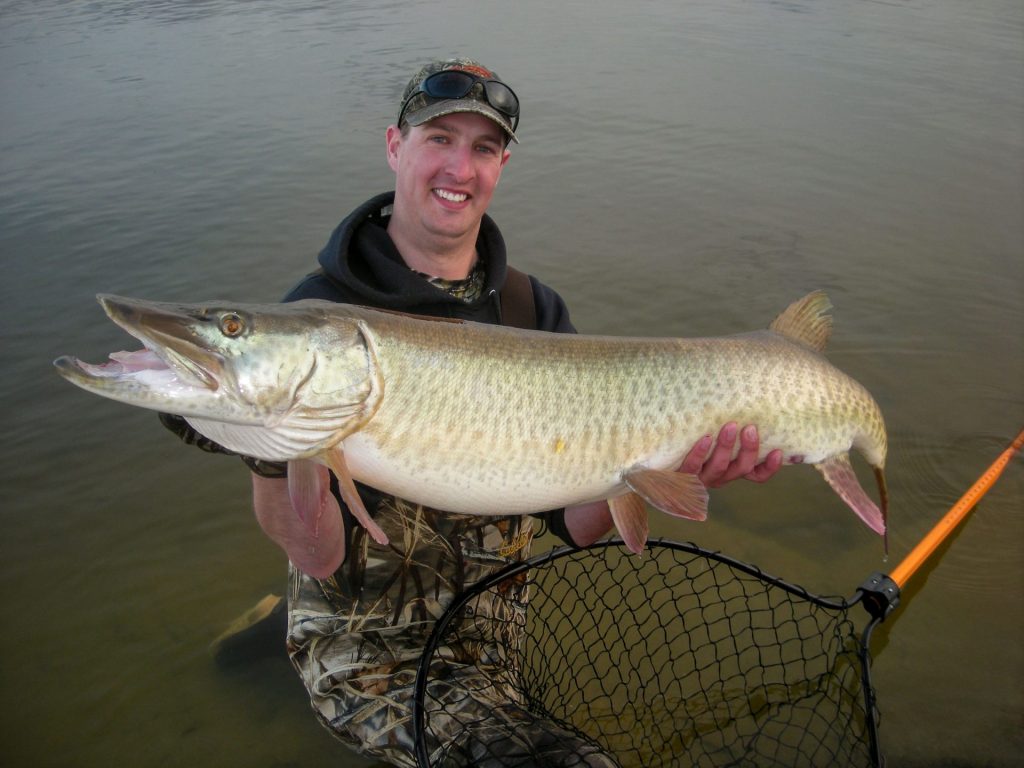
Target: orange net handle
(919, 554)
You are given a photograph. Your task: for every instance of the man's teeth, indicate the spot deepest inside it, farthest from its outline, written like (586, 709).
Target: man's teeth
(455, 197)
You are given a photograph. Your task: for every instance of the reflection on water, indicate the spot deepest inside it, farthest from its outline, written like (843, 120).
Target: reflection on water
(686, 169)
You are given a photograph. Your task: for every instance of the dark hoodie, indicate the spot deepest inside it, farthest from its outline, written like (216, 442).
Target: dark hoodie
(361, 265)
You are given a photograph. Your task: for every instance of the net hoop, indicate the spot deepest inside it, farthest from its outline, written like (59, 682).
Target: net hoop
(457, 609)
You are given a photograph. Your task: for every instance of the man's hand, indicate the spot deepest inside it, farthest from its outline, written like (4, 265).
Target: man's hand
(189, 435)
(709, 459)
(712, 461)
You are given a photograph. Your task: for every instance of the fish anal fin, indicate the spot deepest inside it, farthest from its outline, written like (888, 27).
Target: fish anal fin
(838, 472)
(335, 458)
(630, 517)
(675, 493)
(806, 321)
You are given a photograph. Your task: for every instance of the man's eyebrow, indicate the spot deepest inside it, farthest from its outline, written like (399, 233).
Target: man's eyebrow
(493, 136)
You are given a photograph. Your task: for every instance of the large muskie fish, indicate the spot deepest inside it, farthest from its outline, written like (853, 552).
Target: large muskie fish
(483, 419)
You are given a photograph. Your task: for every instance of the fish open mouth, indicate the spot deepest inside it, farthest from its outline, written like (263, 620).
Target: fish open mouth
(144, 362)
(171, 361)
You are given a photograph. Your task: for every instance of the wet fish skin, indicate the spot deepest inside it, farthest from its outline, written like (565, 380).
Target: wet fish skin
(483, 419)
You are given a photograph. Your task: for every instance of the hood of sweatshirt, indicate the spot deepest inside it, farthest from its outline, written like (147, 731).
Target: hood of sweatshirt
(361, 256)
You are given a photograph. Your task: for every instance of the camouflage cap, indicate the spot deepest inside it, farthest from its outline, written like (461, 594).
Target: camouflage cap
(421, 108)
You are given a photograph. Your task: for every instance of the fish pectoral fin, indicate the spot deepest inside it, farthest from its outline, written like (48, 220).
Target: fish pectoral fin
(630, 517)
(838, 472)
(335, 458)
(312, 532)
(308, 484)
(675, 493)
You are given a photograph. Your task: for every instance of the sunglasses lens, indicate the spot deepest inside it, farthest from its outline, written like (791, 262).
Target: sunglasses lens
(500, 97)
(452, 84)
(448, 85)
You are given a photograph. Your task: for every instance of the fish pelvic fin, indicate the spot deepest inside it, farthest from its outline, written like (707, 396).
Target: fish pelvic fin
(806, 321)
(838, 472)
(630, 517)
(674, 493)
(335, 458)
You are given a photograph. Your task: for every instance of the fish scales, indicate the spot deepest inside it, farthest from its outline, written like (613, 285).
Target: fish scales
(518, 421)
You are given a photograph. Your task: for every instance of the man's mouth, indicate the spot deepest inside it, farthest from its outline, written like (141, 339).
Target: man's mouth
(451, 197)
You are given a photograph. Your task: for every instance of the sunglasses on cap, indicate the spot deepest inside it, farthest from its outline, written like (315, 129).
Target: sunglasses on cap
(456, 84)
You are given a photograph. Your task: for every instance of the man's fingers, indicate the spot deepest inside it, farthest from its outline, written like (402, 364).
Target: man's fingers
(713, 462)
(767, 469)
(744, 461)
(694, 461)
(721, 456)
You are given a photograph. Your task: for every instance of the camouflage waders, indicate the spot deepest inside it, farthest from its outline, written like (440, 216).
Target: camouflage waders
(356, 640)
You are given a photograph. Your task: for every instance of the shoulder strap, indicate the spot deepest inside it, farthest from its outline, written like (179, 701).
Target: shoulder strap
(518, 309)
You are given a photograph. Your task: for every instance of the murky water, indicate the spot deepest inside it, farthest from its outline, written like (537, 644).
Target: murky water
(686, 169)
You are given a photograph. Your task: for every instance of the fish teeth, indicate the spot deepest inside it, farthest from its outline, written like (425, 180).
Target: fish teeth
(455, 197)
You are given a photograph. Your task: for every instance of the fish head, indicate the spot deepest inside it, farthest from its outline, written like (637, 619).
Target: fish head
(244, 375)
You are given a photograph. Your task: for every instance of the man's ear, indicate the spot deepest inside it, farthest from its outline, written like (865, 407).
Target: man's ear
(393, 137)
(505, 155)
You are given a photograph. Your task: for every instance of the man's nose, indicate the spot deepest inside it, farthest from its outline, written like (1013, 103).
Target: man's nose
(460, 163)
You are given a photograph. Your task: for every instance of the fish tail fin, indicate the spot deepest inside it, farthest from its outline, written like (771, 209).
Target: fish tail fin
(883, 499)
(839, 474)
(630, 517)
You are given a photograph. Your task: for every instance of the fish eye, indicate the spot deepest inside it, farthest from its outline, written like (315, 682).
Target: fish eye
(231, 325)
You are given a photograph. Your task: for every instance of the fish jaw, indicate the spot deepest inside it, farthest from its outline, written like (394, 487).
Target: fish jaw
(277, 382)
(170, 373)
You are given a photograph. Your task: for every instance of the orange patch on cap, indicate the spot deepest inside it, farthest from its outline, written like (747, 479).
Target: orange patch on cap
(473, 70)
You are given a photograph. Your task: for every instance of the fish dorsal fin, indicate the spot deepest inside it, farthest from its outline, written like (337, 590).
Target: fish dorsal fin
(806, 321)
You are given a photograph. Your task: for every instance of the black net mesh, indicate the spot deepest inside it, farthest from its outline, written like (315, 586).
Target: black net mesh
(678, 657)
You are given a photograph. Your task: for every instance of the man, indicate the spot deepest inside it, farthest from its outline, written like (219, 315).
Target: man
(356, 634)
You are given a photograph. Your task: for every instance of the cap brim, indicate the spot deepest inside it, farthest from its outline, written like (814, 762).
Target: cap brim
(453, 106)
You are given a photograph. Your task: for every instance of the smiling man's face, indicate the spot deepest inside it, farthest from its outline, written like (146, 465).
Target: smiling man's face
(446, 171)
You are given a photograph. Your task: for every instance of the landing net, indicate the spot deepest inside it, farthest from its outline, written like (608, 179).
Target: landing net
(680, 657)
